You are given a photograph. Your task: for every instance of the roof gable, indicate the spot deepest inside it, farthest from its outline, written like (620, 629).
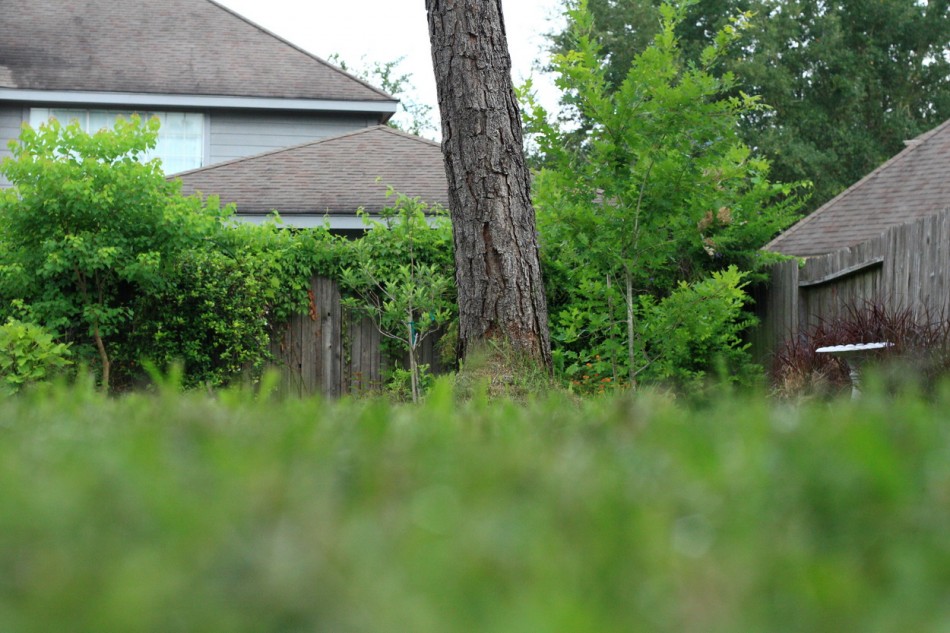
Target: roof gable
(178, 47)
(331, 176)
(913, 184)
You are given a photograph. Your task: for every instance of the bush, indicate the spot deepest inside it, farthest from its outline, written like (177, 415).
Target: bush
(28, 355)
(102, 248)
(212, 317)
(920, 350)
(697, 331)
(89, 229)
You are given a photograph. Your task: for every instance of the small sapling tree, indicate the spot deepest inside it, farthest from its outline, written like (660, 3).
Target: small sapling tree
(401, 277)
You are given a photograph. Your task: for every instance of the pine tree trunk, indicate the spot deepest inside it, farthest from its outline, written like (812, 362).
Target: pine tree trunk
(500, 291)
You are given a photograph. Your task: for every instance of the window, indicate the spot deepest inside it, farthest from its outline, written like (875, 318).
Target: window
(180, 143)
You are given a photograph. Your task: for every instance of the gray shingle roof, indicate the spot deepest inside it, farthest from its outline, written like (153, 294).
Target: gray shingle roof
(334, 176)
(913, 184)
(180, 47)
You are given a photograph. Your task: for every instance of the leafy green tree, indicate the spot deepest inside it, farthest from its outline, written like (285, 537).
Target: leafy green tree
(661, 189)
(85, 227)
(401, 277)
(96, 245)
(846, 81)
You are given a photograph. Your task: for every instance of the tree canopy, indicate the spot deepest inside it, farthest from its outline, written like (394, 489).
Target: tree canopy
(846, 81)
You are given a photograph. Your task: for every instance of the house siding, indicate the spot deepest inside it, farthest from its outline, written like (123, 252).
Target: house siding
(231, 135)
(11, 117)
(239, 134)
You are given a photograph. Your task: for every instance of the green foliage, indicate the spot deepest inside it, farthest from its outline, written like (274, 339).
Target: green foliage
(85, 228)
(241, 514)
(847, 82)
(401, 382)
(656, 190)
(29, 355)
(210, 318)
(663, 186)
(696, 328)
(99, 246)
(401, 277)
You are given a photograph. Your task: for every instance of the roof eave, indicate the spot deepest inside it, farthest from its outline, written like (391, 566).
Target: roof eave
(384, 108)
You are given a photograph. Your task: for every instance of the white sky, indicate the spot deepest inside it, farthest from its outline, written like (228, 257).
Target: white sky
(385, 30)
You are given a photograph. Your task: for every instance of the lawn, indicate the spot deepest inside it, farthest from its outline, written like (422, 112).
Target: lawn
(167, 512)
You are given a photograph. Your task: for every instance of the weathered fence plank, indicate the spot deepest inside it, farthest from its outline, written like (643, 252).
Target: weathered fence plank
(330, 351)
(908, 267)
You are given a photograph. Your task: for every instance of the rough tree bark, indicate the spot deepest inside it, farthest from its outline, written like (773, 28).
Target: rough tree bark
(500, 291)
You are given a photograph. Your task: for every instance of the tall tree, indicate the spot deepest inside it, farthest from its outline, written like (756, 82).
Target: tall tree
(663, 193)
(498, 272)
(847, 80)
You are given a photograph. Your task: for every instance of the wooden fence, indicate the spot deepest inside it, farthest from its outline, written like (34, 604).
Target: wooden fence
(908, 267)
(332, 352)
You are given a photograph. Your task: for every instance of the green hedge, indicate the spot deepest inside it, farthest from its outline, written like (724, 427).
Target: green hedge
(182, 513)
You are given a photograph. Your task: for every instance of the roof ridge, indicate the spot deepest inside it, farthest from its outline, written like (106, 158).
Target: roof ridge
(408, 135)
(317, 58)
(901, 155)
(289, 148)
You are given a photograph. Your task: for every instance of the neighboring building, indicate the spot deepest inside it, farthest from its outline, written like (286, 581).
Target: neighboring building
(884, 241)
(223, 87)
(327, 179)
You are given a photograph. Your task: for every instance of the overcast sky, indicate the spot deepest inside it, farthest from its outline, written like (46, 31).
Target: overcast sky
(385, 30)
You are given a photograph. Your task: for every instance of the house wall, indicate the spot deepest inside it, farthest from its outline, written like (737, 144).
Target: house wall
(11, 117)
(234, 134)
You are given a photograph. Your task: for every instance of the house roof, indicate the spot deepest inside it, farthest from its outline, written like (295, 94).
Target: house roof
(328, 177)
(167, 47)
(913, 184)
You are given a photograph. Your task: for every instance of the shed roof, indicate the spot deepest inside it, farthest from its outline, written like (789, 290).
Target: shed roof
(331, 176)
(168, 47)
(913, 184)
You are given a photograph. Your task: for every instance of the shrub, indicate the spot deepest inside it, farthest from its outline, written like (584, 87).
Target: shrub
(655, 189)
(212, 317)
(89, 229)
(28, 355)
(696, 331)
(243, 514)
(102, 248)
(920, 348)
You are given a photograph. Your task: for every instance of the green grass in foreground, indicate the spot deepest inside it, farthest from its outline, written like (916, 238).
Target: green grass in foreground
(175, 513)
